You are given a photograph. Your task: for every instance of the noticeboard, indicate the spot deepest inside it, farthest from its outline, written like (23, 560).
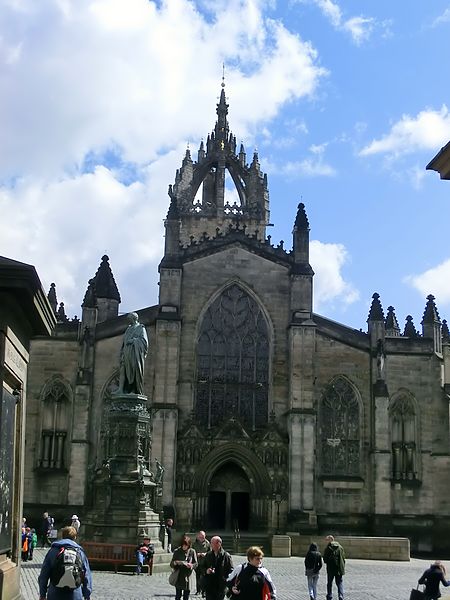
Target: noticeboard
(7, 428)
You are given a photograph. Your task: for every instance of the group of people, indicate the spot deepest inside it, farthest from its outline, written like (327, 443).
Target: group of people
(66, 573)
(215, 574)
(29, 541)
(334, 558)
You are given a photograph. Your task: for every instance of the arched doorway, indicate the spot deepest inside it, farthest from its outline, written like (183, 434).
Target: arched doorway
(229, 498)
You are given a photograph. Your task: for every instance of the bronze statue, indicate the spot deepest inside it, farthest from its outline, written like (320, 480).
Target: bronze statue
(132, 357)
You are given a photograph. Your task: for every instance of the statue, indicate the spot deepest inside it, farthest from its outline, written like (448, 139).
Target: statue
(132, 356)
(159, 472)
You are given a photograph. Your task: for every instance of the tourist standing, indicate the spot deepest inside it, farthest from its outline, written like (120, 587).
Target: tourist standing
(334, 558)
(169, 527)
(313, 564)
(432, 578)
(51, 585)
(252, 581)
(76, 523)
(201, 546)
(184, 561)
(218, 566)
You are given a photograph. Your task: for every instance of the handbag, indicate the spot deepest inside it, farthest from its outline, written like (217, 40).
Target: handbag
(173, 577)
(416, 594)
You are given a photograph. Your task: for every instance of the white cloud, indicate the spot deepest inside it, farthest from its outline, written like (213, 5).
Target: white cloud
(444, 18)
(360, 28)
(330, 287)
(433, 281)
(429, 130)
(311, 166)
(103, 78)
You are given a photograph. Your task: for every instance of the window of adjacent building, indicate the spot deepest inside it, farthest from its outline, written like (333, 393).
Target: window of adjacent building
(55, 419)
(340, 429)
(232, 376)
(403, 435)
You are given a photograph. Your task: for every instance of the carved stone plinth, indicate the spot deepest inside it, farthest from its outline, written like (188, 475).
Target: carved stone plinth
(124, 491)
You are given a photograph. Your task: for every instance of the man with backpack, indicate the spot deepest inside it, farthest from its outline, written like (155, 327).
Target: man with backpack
(334, 558)
(65, 573)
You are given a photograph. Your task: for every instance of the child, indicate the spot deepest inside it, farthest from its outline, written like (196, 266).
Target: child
(144, 554)
(32, 543)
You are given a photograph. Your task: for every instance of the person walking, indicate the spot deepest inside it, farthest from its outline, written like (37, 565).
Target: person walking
(218, 566)
(47, 524)
(334, 558)
(184, 561)
(251, 581)
(432, 578)
(65, 572)
(201, 546)
(313, 564)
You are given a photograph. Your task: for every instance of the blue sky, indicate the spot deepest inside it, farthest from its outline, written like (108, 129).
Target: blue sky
(345, 101)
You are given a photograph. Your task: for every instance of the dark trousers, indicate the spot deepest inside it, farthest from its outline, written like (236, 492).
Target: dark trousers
(339, 584)
(215, 595)
(179, 592)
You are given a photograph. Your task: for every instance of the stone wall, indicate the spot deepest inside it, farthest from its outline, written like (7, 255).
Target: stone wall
(371, 548)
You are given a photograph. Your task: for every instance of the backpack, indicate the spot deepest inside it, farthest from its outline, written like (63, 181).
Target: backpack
(67, 571)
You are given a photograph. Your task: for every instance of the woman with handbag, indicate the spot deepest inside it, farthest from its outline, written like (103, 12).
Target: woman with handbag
(183, 563)
(432, 578)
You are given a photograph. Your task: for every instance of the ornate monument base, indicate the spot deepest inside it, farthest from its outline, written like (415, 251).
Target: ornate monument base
(124, 491)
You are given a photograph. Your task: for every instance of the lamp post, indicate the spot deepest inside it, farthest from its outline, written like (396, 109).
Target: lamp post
(278, 502)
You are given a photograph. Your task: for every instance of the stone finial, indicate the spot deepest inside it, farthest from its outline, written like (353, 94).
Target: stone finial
(376, 310)
(430, 314)
(301, 220)
(61, 314)
(90, 298)
(52, 297)
(445, 330)
(391, 324)
(105, 285)
(410, 331)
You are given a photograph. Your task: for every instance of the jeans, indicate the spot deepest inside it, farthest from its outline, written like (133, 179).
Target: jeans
(312, 585)
(140, 559)
(339, 583)
(179, 591)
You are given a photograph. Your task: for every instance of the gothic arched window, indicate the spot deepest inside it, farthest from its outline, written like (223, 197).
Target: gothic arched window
(55, 421)
(232, 361)
(402, 416)
(340, 429)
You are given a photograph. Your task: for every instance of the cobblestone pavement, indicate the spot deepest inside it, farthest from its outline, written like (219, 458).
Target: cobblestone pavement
(364, 580)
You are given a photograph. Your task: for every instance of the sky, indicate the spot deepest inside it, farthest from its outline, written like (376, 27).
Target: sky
(345, 101)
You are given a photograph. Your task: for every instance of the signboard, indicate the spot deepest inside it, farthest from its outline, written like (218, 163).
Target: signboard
(7, 428)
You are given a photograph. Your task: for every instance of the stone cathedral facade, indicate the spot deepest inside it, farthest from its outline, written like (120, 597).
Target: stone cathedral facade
(264, 414)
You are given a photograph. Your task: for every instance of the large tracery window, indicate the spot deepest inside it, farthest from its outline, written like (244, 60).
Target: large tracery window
(55, 419)
(233, 361)
(340, 430)
(403, 434)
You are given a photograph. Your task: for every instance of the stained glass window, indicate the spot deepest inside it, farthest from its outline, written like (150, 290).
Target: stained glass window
(233, 361)
(340, 429)
(403, 435)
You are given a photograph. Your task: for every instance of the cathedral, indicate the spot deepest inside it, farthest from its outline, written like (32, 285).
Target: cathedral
(265, 416)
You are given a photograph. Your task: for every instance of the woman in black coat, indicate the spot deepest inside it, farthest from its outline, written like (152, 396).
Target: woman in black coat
(432, 578)
(313, 564)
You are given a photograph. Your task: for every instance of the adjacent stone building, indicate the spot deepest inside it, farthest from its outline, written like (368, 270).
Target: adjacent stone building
(265, 415)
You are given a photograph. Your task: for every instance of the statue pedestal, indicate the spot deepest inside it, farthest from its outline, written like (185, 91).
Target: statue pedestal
(123, 489)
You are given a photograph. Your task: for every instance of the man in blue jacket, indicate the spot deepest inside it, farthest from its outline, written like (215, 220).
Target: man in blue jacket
(65, 573)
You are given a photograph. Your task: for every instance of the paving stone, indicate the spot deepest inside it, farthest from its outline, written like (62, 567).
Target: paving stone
(364, 580)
